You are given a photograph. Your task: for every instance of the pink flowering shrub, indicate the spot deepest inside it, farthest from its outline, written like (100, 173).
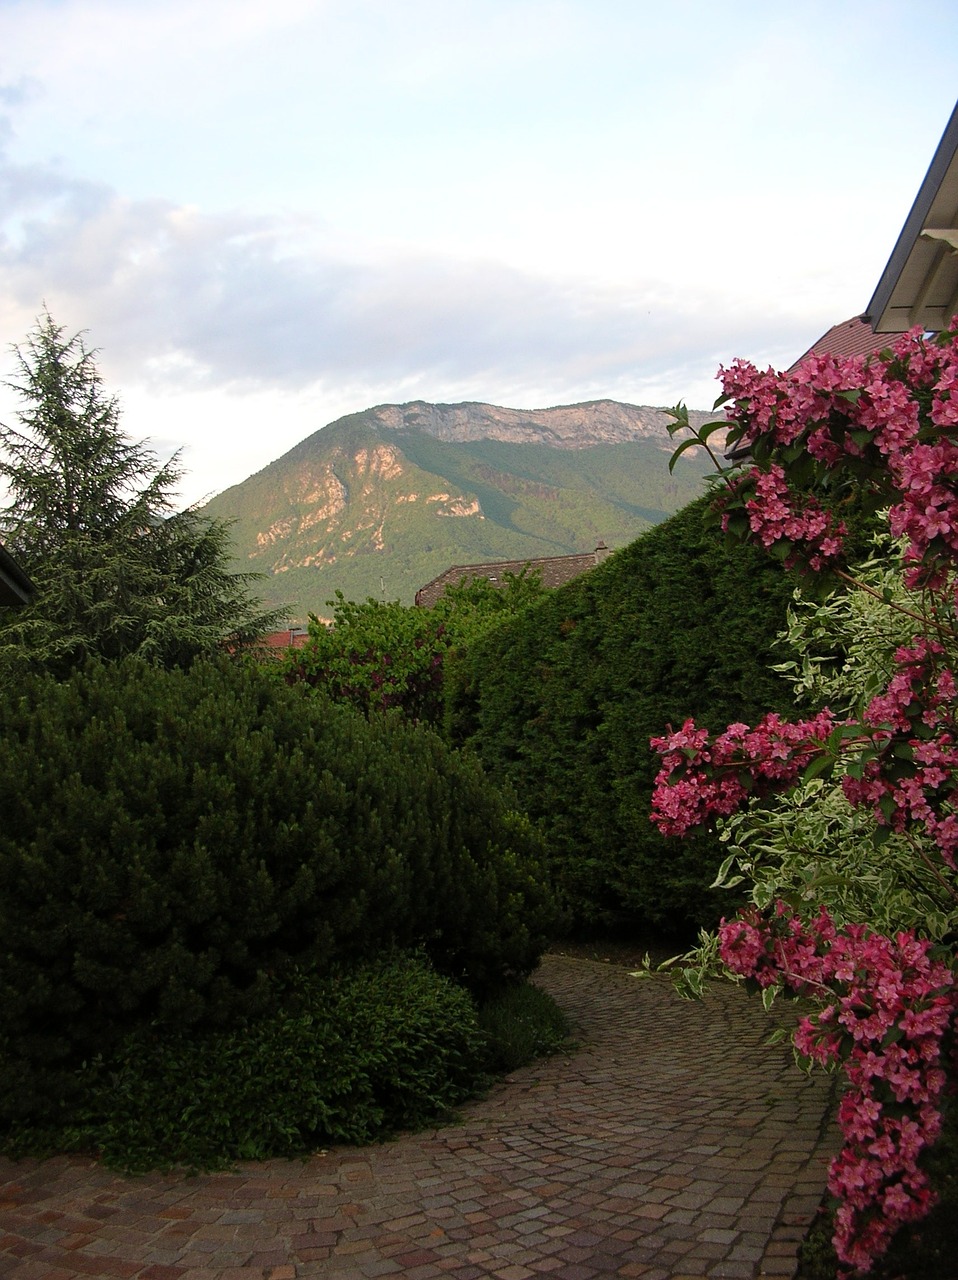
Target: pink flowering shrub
(881, 429)
(700, 778)
(886, 1006)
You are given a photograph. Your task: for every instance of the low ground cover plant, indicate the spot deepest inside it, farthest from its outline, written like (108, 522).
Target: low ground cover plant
(347, 1058)
(520, 1024)
(352, 1057)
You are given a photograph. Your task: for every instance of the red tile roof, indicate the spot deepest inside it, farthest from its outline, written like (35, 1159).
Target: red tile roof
(291, 638)
(850, 338)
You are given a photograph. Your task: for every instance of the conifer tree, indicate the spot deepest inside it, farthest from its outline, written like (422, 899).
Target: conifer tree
(90, 516)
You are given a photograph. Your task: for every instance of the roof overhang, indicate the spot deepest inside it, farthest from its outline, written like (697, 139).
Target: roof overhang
(920, 283)
(15, 586)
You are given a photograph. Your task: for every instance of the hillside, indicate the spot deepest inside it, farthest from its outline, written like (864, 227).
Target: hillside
(379, 502)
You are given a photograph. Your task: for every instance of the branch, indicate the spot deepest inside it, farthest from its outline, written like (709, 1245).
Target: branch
(923, 618)
(945, 884)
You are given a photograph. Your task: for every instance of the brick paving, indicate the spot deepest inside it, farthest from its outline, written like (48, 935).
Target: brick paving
(671, 1144)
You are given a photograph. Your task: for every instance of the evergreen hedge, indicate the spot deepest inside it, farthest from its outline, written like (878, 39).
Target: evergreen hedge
(560, 702)
(172, 842)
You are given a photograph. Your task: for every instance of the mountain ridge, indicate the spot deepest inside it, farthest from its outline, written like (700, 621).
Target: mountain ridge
(398, 492)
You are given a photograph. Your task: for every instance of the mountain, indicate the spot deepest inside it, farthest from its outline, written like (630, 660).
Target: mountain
(380, 502)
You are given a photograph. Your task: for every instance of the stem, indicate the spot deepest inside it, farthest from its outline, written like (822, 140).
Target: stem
(796, 979)
(949, 888)
(930, 623)
(708, 449)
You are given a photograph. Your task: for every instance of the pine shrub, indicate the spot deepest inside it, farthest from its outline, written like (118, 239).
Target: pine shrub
(172, 842)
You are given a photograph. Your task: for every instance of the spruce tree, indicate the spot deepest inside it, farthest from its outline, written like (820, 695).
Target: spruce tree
(90, 516)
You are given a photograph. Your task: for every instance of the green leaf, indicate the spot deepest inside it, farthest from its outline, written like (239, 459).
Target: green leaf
(820, 765)
(691, 443)
(710, 428)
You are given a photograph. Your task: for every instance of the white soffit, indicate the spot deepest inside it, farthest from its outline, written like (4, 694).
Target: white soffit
(919, 285)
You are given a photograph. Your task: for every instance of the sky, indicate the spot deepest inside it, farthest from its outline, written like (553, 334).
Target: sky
(265, 214)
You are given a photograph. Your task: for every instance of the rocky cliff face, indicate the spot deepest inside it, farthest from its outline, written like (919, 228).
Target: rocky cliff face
(382, 501)
(571, 426)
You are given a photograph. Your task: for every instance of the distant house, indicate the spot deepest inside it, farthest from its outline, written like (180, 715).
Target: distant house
(553, 571)
(15, 587)
(290, 638)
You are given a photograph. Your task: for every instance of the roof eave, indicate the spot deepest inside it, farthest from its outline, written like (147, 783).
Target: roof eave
(15, 587)
(919, 286)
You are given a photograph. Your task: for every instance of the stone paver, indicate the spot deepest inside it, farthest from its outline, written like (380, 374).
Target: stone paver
(672, 1143)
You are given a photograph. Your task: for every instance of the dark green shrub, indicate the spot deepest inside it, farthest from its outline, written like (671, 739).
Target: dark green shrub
(561, 701)
(347, 1058)
(172, 840)
(520, 1024)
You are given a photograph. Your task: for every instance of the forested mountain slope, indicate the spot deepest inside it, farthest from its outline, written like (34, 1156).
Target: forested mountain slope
(380, 502)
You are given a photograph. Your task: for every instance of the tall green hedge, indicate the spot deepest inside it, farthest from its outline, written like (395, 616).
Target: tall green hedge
(561, 701)
(172, 841)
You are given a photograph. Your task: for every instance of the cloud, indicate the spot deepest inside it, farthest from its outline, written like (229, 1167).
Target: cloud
(212, 326)
(185, 299)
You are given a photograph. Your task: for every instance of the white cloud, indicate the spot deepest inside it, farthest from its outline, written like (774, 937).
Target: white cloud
(267, 213)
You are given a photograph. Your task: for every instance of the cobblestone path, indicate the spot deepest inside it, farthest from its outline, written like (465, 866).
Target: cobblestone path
(672, 1143)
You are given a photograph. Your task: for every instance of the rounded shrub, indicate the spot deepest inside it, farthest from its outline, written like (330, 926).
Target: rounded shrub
(172, 842)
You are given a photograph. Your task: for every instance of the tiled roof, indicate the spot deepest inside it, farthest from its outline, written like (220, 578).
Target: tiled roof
(852, 337)
(553, 572)
(291, 638)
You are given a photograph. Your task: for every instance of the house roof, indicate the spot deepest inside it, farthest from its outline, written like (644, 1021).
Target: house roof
(15, 586)
(290, 638)
(919, 285)
(853, 337)
(553, 572)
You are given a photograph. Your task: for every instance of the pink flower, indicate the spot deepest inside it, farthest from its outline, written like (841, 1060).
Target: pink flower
(883, 428)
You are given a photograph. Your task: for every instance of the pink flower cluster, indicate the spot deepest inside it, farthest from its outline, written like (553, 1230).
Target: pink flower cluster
(887, 1009)
(884, 427)
(775, 515)
(908, 773)
(887, 420)
(700, 779)
(913, 780)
